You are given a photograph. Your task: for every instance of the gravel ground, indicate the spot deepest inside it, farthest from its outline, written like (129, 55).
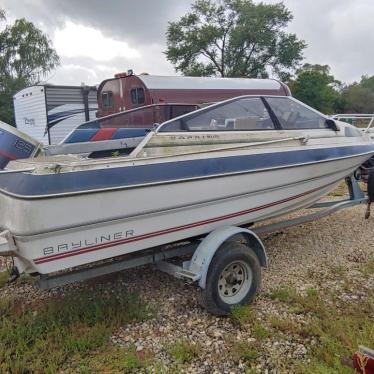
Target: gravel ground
(311, 255)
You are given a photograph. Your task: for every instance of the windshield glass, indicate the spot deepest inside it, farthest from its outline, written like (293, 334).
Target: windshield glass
(248, 113)
(294, 115)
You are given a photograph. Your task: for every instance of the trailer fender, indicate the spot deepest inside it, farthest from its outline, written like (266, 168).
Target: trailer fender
(204, 253)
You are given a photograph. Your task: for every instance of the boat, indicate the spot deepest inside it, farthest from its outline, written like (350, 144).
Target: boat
(232, 163)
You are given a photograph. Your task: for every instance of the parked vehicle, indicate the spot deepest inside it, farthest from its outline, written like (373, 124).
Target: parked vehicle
(233, 163)
(128, 91)
(49, 112)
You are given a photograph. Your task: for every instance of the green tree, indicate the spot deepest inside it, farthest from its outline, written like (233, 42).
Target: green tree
(234, 38)
(26, 56)
(315, 86)
(359, 96)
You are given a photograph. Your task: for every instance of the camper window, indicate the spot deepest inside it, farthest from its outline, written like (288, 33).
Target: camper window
(137, 96)
(107, 99)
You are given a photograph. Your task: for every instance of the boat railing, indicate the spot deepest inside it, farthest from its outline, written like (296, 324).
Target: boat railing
(357, 119)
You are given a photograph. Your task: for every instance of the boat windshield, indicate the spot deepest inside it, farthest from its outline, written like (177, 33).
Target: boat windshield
(247, 113)
(293, 115)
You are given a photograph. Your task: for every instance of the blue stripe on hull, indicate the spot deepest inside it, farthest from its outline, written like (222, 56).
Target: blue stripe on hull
(80, 135)
(123, 133)
(24, 184)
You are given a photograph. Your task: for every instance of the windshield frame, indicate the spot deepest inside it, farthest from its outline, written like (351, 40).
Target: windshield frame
(274, 118)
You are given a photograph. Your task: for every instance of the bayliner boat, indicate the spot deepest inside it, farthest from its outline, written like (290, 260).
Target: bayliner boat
(232, 163)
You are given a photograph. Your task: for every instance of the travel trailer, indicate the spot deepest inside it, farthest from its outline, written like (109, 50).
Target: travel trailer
(127, 91)
(49, 112)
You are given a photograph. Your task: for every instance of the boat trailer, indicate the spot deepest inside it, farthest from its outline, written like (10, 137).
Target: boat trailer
(226, 264)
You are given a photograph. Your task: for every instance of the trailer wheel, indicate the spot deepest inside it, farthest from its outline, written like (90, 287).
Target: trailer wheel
(234, 277)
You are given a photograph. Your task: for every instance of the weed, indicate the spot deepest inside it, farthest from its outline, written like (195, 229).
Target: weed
(312, 293)
(4, 276)
(284, 295)
(339, 270)
(299, 304)
(182, 351)
(26, 279)
(368, 268)
(251, 371)
(133, 360)
(312, 303)
(243, 351)
(23, 279)
(243, 315)
(260, 332)
(284, 325)
(340, 191)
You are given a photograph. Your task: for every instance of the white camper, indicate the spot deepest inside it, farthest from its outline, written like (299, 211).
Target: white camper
(49, 112)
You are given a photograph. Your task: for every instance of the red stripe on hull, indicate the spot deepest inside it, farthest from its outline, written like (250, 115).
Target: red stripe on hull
(58, 256)
(103, 134)
(7, 155)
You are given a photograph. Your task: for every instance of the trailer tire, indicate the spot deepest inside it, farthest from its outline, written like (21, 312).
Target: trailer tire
(234, 278)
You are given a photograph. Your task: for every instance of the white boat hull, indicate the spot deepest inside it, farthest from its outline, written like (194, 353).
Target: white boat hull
(118, 222)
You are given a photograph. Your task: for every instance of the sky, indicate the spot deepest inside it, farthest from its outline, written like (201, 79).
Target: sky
(96, 39)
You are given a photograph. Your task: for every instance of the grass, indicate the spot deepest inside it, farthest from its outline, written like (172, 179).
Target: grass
(368, 268)
(22, 279)
(299, 304)
(339, 331)
(243, 315)
(4, 276)
(112, 360)
(284, 325)
(182, 351)
(284, 294)
(59, 332)
(340, 337)
(339, 271)
(340, 191)
(242, 351)
(260, 332)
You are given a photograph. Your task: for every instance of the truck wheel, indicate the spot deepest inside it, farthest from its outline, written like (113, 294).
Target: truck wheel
(234, 277)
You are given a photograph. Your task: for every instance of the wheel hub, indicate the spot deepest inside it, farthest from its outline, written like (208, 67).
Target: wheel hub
(232, 279)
